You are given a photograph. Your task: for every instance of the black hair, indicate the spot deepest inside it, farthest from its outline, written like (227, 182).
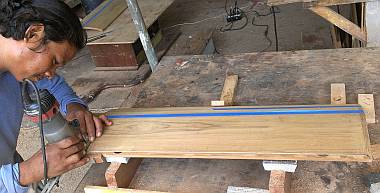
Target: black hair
(61, 24)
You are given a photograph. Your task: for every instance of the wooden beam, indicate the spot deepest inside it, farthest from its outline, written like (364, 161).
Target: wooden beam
(338, 94)
(98, 189)
(229, 88)
(368, 104)
(238, 133)
(340, 21)
(120, 175)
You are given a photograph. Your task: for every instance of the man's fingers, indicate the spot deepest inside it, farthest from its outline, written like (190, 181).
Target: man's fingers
(80, 163)
(105, 120)
(99, 126)
(65, 143)
(90, 127)
(82, 123)
(74, 149)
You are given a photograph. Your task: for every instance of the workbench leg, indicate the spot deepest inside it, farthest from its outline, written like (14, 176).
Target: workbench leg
(120, 175)
(138, 20)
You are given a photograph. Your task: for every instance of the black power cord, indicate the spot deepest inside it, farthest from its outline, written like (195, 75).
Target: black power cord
(257, 14)
(275, 26)
(40, 125)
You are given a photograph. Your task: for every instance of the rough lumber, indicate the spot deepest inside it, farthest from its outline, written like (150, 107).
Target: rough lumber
(98, 189)
(100, 18)
(228, 92)
(340, 21)
(368, 104)
(338, 94)
(325, 133)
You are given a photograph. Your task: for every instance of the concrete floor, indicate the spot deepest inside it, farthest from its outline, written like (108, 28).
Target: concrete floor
(297, 28)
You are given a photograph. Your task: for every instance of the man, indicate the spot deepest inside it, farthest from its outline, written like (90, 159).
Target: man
(37, 37)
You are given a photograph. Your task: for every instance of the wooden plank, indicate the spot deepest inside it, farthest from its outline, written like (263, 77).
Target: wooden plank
(120, 175)
(123, 29)
(338, 94)
(237, 133)
(340, 21)
(100, 18)
(368, 104)
(99, 189)
(228, 92)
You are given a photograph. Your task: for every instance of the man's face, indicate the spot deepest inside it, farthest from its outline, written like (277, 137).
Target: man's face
(42, 62)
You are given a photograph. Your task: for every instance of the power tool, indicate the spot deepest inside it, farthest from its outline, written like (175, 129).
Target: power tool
(42, 108)
(55, 127)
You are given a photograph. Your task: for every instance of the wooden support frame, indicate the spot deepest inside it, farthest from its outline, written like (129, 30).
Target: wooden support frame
(340, 21)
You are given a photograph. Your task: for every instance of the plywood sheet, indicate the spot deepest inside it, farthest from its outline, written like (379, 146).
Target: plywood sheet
(326, 133)
(123, 29)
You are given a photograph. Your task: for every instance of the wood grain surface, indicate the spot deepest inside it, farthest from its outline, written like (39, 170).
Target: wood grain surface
(326, 133)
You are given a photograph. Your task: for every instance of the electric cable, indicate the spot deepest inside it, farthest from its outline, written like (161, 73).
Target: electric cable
(275, 27)
(40, 125)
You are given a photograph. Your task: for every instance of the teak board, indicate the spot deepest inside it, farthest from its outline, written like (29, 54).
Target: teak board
(323, 132)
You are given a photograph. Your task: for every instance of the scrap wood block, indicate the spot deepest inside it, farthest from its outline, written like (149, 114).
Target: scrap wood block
(368, 104)
(229, 88)
(338, 93)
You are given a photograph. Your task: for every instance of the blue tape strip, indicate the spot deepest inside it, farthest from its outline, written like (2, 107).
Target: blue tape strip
(284, 107)
(97, 14)
(232, 114)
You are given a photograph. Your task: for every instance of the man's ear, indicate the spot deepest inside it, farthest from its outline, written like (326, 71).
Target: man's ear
(35, 33)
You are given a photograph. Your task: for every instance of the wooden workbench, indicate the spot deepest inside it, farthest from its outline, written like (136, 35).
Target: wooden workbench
(282, 78)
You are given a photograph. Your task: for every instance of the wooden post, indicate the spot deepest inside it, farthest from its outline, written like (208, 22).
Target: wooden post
(372, 14)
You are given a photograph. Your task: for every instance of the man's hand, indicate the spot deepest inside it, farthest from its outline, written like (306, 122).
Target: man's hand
(61, 157)
(89, 124)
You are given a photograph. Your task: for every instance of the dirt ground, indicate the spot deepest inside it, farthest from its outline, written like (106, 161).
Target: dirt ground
(298, 29)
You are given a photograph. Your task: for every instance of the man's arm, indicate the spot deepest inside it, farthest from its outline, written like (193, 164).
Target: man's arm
(64, 94)
(10, 179)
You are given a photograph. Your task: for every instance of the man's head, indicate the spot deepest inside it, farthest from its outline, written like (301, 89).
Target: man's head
(40, 35)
